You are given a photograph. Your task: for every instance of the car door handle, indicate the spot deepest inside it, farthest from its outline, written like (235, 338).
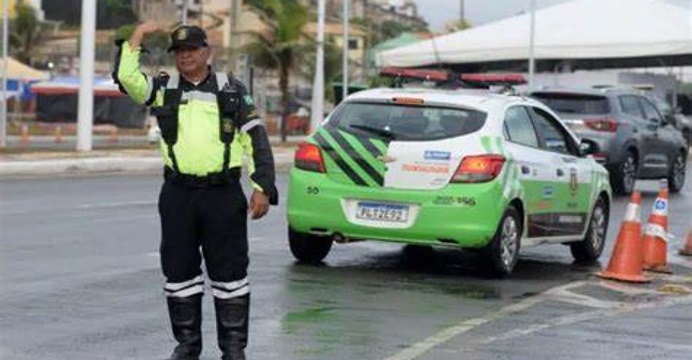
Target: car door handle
(560, 172)
(525, 170)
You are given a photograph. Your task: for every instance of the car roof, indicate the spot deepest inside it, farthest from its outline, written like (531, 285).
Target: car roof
(479, 99)
(589, 91)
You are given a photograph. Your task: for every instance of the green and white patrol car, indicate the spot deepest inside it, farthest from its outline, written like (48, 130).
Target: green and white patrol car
(469, 169)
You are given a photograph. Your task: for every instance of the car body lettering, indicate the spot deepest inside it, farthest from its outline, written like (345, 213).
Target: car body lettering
(437, 155)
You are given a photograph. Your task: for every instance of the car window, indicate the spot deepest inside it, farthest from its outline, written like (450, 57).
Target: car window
(574, 103)
(518, 127)
(650, 111)
(553, 136)
(663, 106)
(402, 122)
(630, 105)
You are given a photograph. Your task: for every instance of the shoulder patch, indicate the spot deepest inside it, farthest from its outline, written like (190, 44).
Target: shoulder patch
(248, 100)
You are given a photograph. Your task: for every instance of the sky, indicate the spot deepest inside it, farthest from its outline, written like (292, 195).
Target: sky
(477, 12)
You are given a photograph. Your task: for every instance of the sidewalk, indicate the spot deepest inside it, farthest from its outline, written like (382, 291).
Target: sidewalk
(112, 160)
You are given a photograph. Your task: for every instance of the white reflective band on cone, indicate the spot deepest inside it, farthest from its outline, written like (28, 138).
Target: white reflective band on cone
(633, 212)
(656, 230)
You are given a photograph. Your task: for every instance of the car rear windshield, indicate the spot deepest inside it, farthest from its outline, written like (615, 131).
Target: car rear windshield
(574, 103)
(404, 122)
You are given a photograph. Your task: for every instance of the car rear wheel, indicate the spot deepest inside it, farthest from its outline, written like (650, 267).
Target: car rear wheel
(502, 252)
(676, 176)
(308, 248)
(591, 247)
(623, 177)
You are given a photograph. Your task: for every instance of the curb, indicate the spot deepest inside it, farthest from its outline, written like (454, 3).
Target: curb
(108, 164)
(82, 165)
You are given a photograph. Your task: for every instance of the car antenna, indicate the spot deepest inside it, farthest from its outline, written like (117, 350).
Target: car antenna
(436, 52)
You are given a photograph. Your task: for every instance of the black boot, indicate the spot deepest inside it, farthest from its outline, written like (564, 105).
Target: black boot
(186, 322)
(232, 326)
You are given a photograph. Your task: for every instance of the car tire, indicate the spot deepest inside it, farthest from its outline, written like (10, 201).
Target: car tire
(502, 253)
(590, 248)
(623, 177)
(308, 248)
(676, 175)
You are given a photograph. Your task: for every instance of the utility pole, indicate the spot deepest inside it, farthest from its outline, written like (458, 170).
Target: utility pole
(183, 16)
(3, 105)
(233, 42)
(461, 11)
(318, 83)
(532, 36)
(344, 92)
(5, 40)
(85, 113)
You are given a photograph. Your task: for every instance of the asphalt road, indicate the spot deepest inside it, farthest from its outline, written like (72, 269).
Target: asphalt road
(80, 279)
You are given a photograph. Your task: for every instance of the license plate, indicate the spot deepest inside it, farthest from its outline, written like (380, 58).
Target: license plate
(382, 212)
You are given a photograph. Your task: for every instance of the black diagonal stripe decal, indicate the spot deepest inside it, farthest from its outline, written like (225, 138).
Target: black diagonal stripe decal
(369, 146)
(338, 160)
(353, 153)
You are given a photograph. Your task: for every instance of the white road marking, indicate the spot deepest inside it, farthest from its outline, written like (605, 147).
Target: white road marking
(560, 293)
(115, 204)
(83, 207)
(420, 348)
(563, 294)
(590, 315)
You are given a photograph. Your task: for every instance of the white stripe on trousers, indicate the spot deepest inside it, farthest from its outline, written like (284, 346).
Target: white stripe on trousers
(185, 288)
(228, 290)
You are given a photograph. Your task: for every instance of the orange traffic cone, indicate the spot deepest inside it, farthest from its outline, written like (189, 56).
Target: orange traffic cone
(626, 262)
(25, 134)
(656, 234)
(687, 250)
(58, 134)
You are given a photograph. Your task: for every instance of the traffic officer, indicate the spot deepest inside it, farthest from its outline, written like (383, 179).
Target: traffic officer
(208, 122)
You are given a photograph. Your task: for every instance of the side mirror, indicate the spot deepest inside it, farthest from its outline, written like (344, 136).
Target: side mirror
(588, 147)
(655, 123)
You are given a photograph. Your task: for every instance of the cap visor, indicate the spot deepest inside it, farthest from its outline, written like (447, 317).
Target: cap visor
(184, 44)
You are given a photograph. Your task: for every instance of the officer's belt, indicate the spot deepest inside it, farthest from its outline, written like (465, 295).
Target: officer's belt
(209, 180)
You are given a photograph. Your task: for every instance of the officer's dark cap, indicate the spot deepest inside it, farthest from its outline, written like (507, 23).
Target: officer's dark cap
(188, 36)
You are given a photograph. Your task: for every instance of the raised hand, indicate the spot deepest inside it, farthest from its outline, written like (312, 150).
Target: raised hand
(148, 27)
(142, 30)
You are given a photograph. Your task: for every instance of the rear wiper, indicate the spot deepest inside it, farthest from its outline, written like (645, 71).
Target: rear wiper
(381, 132)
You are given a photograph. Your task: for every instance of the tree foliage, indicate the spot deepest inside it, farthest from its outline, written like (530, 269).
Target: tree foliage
(380, 32)
(280, 48)
(26, 33)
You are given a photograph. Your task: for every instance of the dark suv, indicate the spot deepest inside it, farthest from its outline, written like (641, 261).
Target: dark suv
(635, 140)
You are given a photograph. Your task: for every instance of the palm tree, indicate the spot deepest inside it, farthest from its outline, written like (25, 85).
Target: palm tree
(279, 50)
(27, 33)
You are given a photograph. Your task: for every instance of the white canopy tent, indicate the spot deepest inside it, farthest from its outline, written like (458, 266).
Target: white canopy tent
(634, 32)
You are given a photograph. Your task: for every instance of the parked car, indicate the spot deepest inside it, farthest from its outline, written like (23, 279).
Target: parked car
(446, 168)
(636, 141)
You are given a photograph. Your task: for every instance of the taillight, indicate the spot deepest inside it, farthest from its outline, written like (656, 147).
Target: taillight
(600, 157)
(478, 168)
(607, 125)
(309, 157)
